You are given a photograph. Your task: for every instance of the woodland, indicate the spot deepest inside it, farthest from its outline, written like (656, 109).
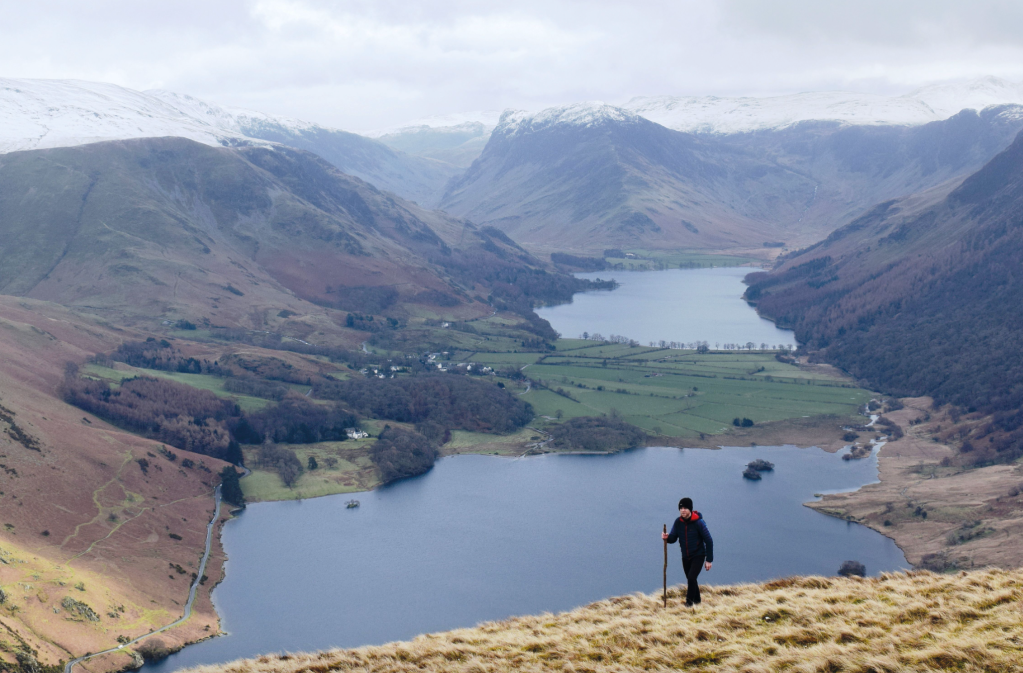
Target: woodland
(922, 302)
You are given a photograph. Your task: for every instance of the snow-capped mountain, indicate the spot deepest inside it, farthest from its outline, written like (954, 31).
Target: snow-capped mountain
(711, 114)
(589, 176)
(460, 138)
(579, 114)
(38, 114)
(228, 119)
(718, 114)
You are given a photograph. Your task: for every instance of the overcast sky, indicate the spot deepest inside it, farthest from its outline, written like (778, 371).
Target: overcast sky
(360, 65)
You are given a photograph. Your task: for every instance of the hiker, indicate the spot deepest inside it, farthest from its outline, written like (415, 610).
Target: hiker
(696, 543)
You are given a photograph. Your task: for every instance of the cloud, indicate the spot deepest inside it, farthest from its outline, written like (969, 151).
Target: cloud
(365, 64)
(904, 24)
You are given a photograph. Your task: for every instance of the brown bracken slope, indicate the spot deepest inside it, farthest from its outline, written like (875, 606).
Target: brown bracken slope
(81, 519)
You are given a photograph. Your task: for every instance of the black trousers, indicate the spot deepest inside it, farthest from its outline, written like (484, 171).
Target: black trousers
(692, 567)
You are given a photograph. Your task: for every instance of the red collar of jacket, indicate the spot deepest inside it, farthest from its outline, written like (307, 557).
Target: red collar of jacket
(695, 517)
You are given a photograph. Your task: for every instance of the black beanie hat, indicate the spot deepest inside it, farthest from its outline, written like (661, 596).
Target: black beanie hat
(686, 503)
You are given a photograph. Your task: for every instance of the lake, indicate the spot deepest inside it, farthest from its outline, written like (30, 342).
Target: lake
(481, 538)
(683, 305)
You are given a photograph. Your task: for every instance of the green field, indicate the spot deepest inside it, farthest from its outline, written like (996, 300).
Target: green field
(667, 392)
(214, 384)
(672, 392)
(655, 260)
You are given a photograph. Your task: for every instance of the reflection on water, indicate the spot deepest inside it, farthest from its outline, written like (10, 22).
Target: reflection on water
(683, 305)
(481, 538)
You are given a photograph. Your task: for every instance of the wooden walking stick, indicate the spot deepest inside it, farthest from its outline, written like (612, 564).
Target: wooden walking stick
(665, 568)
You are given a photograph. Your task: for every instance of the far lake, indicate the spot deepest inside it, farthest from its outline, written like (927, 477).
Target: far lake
(683, 305)
(482, 538)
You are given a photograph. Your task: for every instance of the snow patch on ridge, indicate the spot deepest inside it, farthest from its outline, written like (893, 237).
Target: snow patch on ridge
(38, 114)
(711, 114)
(717, 114)
(234, 120)
(579, 114)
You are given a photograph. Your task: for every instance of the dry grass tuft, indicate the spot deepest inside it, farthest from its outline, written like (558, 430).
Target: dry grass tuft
(917, 621)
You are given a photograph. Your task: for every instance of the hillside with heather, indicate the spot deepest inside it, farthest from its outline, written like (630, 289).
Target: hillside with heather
(103, 528)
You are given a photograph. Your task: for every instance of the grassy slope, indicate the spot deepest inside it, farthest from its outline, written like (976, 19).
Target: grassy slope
(918, 621)
(214, 384)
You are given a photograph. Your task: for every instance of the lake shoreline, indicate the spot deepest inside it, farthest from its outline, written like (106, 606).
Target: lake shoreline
(657, 306)
(767, 438)
(912, 481)
(600, 492)
(821, 432)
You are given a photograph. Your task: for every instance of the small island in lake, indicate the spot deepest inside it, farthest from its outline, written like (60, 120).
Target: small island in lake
(760, 465)
(754, 468)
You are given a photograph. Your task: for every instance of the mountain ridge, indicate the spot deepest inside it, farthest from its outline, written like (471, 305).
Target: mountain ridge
(723, 115)
(740, 114)
(168, 228)
(591, 176)
(919, 297)
(43, 114)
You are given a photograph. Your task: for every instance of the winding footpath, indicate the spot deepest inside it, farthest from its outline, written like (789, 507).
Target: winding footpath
(191, 592)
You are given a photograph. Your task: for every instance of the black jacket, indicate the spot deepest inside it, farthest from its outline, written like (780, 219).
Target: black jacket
(693, 537)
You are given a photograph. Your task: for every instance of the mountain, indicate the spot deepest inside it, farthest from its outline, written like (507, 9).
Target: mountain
(921, 296)
(459, 138)
(38, 114)
(712, 114)
(412, 177)
(594, 175)
(456, 139)
(854, 167)
(168, 229)
(591, 176)
(116, 245)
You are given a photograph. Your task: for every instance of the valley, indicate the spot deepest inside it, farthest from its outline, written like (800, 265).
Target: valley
(212, 288)
(254, 378)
